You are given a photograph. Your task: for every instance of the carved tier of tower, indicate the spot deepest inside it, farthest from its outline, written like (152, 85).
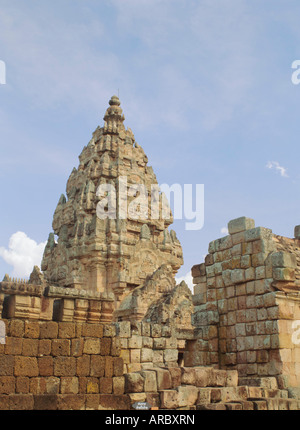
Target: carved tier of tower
(109, 255)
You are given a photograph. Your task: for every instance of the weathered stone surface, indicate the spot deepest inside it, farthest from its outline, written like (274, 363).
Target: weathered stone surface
(240, 224)
(169, 399)
(134, 383)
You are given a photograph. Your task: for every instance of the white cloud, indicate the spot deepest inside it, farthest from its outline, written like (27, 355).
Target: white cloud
(23, 254)
(275, 165)
(224, 230)
(188, 280)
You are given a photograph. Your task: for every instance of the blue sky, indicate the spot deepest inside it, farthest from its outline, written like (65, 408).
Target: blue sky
(205, 85)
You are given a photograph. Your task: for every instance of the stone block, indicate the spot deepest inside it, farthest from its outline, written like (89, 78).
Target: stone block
(226, 275)
(123, 329)
(188, 376)
(91, 346)
(209, 260)
(240, 224)
(109, 330)
(204, 396)
(169, 399)
(37, 385)
(21, 402)
(175, 373)
(66, 330)
(146, 329)
(106, 385)
(258, 233)
(137, 397)
(13, 346)
(22, 385)
(83, 365)
(7, 384)
(118, 365)
(260, 272)
(105, 346)
(91, 330)
(4, 402)
(283, 259)
(238, 238)
(150, 382)
(187, 395)
(134, 383)
(170, 355)
(70, 402)
(155, 330)
(48, 330)
(159, 343)
(26, 366)
(45, 365)
(164, 379)
(297, 232)
(146, 355)
(245, 261)
(263, 286)
(97, 365)
(196, 271)
(237, 276)
(45, 402)
(115, 349)
(260, 405)
(7, 363)
(135, 355)
(118, 385)
(32, 329)
(232, 378)
(113, 402)
(77, 347)
(60, 347)
(203, 376)
(69, 385)
(64, 366)
(52, 385)
(218, 378)
(283, 274)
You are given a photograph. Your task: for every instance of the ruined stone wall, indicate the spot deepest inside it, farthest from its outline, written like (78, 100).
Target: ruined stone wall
(49, 365)
(60, 365)
(246, 297)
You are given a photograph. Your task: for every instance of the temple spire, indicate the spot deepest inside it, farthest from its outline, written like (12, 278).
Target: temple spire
(113, 117)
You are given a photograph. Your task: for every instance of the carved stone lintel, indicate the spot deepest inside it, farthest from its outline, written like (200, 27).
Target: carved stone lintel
(72, 293)
(21, 289)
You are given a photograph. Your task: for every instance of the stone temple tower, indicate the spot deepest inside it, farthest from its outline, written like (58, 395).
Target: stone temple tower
(118, 253)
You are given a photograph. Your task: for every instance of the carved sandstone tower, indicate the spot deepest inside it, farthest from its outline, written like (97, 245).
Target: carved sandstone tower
(116, 254)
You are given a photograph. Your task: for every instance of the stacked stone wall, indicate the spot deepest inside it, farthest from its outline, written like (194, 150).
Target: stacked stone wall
(61, 365)
(245, 301)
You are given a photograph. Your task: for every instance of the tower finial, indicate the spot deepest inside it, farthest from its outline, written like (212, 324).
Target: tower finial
(113, 116)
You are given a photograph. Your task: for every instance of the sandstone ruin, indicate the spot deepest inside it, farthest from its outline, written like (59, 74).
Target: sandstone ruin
(103, 325)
